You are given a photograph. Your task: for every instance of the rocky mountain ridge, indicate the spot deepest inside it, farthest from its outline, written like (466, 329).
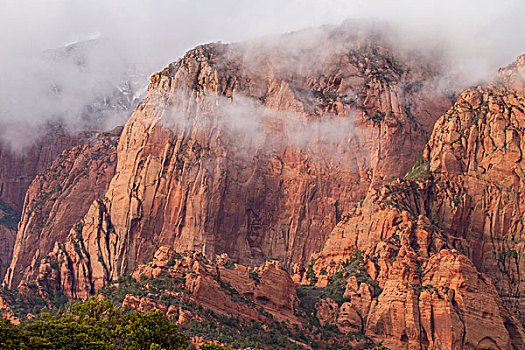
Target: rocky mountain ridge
(17, 171)
(444, 245)
(260, 156)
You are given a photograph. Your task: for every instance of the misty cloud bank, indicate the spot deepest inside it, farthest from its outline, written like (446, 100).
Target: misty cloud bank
(247, 128)
(83, 63)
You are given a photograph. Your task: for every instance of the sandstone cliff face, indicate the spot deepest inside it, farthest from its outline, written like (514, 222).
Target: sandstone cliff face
(443, 246)
(58, 198)
(256, 151)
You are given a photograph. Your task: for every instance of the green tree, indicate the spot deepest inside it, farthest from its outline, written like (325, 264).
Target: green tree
(66, 333)
(144, 329)
(11, 336)
(94, 324)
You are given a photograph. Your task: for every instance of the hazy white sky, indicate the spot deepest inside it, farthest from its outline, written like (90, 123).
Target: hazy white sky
(479, 35)
(158, 31)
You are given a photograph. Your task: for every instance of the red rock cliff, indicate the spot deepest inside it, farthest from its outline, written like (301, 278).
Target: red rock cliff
(256, 150)
(445, 245)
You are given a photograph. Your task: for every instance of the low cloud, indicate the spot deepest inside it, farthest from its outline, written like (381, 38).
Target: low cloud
(247, 128)
(118, 44)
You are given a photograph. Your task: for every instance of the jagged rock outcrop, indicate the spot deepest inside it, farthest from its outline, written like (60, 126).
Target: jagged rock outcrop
(256, 150)
(475, 155)
(66, 116)
(145, 304)
(6, 312)
(19, 165)
(58, 198)
(443, 246)
(224, 287)
(411, 288)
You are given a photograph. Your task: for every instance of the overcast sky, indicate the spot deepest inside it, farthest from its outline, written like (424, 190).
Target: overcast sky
(148, 34)
(157, 31)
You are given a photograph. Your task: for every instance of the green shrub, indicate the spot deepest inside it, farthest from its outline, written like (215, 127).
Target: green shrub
(420, 171)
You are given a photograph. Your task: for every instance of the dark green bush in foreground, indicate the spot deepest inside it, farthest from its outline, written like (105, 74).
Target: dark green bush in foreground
(94, 324)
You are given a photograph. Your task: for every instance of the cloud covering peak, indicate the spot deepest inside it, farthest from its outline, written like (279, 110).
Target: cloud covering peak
(120, 43)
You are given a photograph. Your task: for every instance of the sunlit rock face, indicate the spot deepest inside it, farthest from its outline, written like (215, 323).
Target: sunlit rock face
(445, 244)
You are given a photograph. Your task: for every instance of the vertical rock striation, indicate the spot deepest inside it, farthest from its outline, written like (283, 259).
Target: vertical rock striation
(257, 150)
